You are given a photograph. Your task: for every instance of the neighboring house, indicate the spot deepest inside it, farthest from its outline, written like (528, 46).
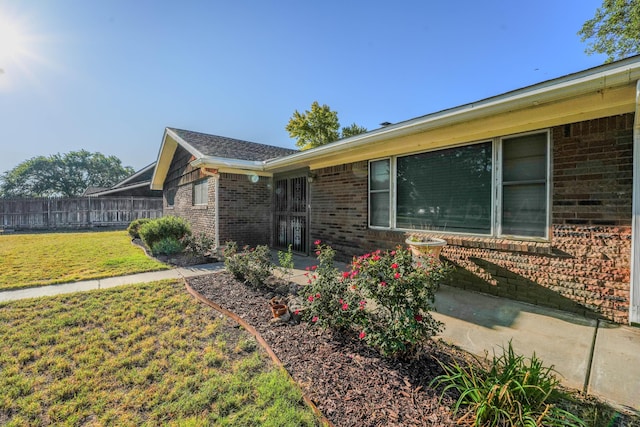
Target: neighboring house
(533, 190)
(136, 185)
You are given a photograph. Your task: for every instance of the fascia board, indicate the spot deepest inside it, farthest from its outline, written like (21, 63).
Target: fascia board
(167, 150)
(223, 162)
(551, 91)
(117, 190)
(135, 175)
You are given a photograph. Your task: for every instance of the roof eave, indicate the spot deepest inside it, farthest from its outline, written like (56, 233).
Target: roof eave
(603, 77)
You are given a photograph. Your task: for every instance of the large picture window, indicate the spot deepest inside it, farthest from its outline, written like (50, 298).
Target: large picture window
(462, 190)
(447, 190)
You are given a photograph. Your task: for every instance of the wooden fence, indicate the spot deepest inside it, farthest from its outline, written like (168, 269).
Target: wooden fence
(79, 212)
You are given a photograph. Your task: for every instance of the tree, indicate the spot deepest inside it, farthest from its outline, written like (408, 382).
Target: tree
(62, 175)
(614, 30)
(318, 126)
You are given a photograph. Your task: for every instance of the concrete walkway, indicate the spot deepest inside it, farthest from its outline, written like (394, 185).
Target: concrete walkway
(110, 282)
(602, 356)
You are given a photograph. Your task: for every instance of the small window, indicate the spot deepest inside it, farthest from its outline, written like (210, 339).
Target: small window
(170, 196)
(524, 185)
(379, 193)
(201, 192)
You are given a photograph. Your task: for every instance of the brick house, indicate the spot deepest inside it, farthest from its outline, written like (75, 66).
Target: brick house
(533, 190)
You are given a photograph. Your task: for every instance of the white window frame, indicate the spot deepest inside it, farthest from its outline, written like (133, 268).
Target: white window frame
(196, 190)
(496, 193)
(390, 190)
(498, 144)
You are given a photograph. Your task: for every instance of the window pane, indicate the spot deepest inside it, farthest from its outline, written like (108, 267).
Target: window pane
(446, 190)
(524, 210)
(379, 177)
(525, 158)
(200, 192)
(379, 209)
(524, 200)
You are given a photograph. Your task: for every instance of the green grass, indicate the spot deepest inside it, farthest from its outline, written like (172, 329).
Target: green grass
(43, 259)
(138, 355)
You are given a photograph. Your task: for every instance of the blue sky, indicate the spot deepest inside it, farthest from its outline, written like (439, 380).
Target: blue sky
(109, 76)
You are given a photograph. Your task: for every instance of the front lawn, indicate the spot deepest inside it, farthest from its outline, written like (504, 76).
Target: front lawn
(144, 354)
(48, 258)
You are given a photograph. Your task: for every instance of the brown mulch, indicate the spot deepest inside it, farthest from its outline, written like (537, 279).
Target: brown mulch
(351, 384)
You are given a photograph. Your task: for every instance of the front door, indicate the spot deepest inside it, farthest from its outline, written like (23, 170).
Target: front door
(291, 217)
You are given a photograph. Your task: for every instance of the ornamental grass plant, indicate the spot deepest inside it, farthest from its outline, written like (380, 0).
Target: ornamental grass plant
(513, 391)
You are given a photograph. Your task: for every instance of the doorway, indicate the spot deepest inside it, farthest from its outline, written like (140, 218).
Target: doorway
(291, 212)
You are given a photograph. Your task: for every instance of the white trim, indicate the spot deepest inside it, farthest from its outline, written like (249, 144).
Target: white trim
(135, 175)
(216, 212)
(607, 76)
(634, 297)
(495, 230)
(500, 186)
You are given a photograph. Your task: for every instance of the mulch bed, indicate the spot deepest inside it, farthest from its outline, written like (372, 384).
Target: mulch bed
(351, 384)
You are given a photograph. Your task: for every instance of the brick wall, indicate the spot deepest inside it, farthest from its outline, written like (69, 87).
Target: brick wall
(245, 209)
(179, 186)
(585, 267)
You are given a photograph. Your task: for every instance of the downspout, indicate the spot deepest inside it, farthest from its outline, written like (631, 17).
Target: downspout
(634, 306)
(216, 180)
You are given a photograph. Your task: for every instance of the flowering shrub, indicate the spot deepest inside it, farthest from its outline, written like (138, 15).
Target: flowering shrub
(252, 265)
(327, 300)
(385, 296)
(403, 295)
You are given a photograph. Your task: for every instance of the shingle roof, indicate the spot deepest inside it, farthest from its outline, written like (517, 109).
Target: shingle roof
(220, 146)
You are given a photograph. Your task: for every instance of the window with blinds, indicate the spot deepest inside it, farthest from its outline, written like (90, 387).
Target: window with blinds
(460, 189)
(446, 190)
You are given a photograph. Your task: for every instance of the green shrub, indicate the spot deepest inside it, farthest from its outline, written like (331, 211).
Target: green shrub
(285, 261)
(169, 226)
(134, 227)
(326, 296)
(514, 391)
(167, 246)
(384, 296)
(252, 265)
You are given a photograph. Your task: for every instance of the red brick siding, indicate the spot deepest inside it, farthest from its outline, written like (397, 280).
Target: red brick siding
(245, 209)
(585, 268)
(180, 179)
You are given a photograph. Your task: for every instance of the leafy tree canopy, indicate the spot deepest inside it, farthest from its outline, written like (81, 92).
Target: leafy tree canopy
(318, 126)
(614, 30)
(62, 175)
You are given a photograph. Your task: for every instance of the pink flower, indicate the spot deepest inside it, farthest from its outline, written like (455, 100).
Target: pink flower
(396, 276)
(376, 258)
(310, 298)
(317, 252)
(317, 295)
(315, 319)
(383, 283)
(345, 306)
(362, 335)
(296, 312)
(394, 265)
(317, 242)
(418, 318)
(393, 253)
(308, 268)
(345, 274)
(314, 267)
